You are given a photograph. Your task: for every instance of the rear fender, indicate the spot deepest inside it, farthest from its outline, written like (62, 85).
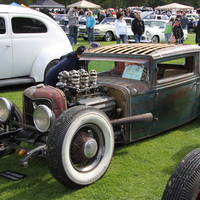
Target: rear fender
(45, 57)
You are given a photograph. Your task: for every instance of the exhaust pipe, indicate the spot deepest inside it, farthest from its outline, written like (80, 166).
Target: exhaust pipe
(148, 117)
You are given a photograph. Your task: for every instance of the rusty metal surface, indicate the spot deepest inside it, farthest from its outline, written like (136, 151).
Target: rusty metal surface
(147, 117)
(56, 97)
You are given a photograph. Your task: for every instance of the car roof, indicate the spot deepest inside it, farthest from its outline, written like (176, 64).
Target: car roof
(21, 10)
(139, 50)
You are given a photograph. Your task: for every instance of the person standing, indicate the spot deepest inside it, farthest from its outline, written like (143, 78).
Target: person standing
(168, 30)
(184, 22)
(198, 33)
(67, 62)
(90, 23)
(164, 16)
(101, 15)
(138, 28)
(178, 31)
(120, 28)
(73, 24)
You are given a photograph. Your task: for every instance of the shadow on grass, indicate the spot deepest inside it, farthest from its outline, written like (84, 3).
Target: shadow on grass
(16, 88)
(39, 183)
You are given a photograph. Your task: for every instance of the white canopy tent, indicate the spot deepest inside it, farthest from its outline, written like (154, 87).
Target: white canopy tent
(84, 4)
(174, 6)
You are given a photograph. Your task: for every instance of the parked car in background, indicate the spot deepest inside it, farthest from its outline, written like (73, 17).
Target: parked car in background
(31, 43)
(154, 31)
(140, 90)
(105, 30)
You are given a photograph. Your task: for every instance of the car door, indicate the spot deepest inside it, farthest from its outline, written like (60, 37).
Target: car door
(175, 95)
(5, 47)
(29, 38)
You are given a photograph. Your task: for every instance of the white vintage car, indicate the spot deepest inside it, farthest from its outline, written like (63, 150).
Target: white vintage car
(105, 30)
(31, 43)
(154, 31)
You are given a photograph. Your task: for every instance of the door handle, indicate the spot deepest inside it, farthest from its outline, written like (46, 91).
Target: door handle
(7, 45)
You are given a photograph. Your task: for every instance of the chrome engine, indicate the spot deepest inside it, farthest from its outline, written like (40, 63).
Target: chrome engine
(81, 88)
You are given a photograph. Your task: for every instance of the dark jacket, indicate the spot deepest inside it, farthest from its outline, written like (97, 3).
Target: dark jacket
(197, 32)
(177, 31)
(67, 62)
(184, 22)
(137, 26)
(101, 17)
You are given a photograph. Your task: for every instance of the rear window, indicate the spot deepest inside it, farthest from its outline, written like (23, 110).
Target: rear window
(2, 26)
(27, 25)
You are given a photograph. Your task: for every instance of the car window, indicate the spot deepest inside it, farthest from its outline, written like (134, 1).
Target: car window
(128, 22)
(110, 21)
(155, 24)
(2, 26)
(128, 70)
(175, 68)
(27, 25)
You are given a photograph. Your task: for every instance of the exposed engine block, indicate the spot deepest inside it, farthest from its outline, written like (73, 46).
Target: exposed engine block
(81, 88)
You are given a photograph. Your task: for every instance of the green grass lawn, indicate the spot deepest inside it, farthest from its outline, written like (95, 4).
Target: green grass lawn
(138, 171)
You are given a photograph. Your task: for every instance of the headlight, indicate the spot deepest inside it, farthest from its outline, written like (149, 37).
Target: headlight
(148, 33)
(43, 118)
(6, 109)
(96, 30)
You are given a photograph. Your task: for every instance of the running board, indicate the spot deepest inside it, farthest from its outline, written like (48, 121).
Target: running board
(16, 81)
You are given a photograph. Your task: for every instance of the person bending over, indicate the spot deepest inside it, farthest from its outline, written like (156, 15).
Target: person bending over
(67, 62)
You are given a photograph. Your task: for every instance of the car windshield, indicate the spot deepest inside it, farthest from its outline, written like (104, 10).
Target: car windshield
(150, 17)
(108, 20)
(155, 24)
(128, 70)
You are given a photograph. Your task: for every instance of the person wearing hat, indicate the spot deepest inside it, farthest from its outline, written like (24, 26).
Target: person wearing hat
(67, 62)
(178, 31)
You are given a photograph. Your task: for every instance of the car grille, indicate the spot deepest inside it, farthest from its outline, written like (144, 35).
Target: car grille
(82, 30)
(30, 105)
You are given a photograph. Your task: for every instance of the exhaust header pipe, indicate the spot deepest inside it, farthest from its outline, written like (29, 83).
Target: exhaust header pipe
(148, 117)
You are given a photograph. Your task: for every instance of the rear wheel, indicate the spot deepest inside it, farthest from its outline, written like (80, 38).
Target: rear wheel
(184, 182)
(50, 66)
(4, 149)
(80, 146)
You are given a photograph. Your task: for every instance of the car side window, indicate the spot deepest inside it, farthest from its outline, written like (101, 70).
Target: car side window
(2, 26)
(174, 68)
(27, 25)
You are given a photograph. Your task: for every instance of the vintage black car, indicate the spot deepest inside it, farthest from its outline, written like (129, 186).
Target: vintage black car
(139, 90)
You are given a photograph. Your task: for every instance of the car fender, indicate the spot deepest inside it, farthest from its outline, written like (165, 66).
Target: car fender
(45, 57)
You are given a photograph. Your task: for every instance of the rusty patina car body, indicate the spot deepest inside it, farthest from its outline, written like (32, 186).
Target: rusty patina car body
(140, 90)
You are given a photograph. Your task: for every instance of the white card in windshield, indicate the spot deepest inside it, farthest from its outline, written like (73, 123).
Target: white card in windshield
(133, 72)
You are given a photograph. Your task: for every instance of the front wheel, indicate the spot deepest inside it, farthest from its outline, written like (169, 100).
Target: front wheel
(80, 146)
(155, 39)
(184, 182)
(108, 36)
(5, 149)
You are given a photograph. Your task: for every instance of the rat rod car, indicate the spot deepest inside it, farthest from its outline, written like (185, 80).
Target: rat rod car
(141, 90)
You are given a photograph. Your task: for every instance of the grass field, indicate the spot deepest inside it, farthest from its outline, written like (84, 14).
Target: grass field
(138, 171)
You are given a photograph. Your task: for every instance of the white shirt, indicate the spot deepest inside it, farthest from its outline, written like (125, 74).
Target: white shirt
(120, 27)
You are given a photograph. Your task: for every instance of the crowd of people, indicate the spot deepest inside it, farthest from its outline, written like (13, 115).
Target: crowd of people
(173, 33)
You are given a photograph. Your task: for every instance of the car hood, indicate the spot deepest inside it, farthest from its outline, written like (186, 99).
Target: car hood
(133, 86)
(103, 26)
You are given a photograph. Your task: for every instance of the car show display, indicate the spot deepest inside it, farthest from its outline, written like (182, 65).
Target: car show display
(118, 96)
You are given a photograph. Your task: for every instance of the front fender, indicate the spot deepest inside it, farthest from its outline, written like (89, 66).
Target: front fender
(45, 57)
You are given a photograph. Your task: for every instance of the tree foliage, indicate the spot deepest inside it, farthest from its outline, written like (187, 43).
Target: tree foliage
(117, 3)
